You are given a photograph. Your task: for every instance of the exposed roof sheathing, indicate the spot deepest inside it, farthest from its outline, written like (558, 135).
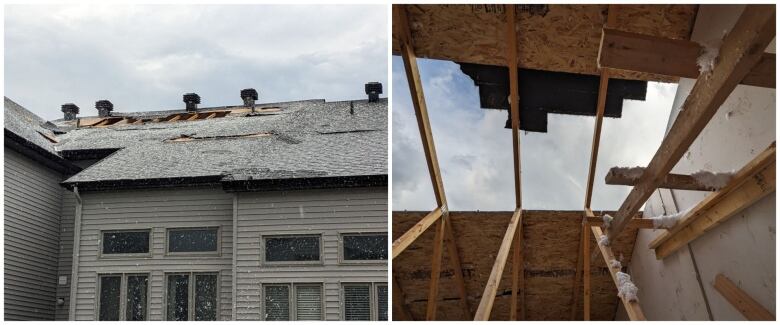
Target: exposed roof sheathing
(551, 240)
(562, 38)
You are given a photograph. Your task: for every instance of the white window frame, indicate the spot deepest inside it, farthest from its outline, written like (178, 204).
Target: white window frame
(292, 304)
(123, 255)
(123, 293)
(217, 252)
(343, 260)
(190, 293)
(265, 262)
(374, 298)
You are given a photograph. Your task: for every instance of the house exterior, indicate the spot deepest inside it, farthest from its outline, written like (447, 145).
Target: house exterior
(252, 212)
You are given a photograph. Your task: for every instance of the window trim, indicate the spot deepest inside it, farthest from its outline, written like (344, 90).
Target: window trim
(342, 260)
(102, 255)
(293, 298)
(123, 293)
(373, 301)
(265, 262)
(218, 252)
(191, 294)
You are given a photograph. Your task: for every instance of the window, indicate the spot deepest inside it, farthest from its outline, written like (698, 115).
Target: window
(292, 248)
(364, 301)
(304, 303)
(193, 240)
(130, 304)
(198, 290)
(364, 247)
(126, 242)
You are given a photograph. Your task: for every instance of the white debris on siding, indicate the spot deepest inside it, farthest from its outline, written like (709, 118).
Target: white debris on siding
(626, 289)
(668, 221)
(712, 181)
(607, 221)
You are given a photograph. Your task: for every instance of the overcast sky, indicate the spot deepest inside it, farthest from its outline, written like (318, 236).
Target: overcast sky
(146, 57)
(475, 150)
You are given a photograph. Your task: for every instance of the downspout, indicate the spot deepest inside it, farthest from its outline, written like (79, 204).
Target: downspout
(235, 254)
(75, 263)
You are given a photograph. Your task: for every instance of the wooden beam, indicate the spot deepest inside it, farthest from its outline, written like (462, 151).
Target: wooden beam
(620, 176)
(744, 303)
(517, 311)
(586, 273)
(491, 287)
(433, 288)
(741, 50)
(457, 269)
(633, 309)
(642, 223)
(750, 184)
(400, 308)
(671, 57)
(400, 244)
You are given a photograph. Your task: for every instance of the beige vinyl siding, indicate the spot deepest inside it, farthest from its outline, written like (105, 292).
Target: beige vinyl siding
(157, 210)
(326, 212)
(33, 202)
(64, 267)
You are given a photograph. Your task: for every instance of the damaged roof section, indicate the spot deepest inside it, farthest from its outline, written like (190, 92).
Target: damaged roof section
(544, 92)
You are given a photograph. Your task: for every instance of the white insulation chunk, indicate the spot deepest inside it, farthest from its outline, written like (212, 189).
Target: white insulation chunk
(607, 221)
(632, 172)
(615, 264)
(709, 55)
(712, 181)
(626, 289)
(603, 240)
(668, 221)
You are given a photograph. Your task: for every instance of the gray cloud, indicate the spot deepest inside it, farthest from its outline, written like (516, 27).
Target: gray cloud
(146, 57)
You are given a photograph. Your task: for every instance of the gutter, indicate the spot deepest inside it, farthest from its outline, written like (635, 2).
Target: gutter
(235, 256)
(75, 263)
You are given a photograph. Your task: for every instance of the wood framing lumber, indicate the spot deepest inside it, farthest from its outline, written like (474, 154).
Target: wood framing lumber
(420, 109)
(517, 311)
(633, 309)
(578, 271)
(751, 183)
(457, 269)
(586, 273)
(672, 57)
(741, 50)
(491, 287)
(400, 308)
(637, 222)
(433, 288)
(400, 244)
(746, 305)
(620, 176)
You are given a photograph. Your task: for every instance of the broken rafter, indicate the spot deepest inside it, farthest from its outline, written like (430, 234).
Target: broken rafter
(741, 51)
(621, 176)
(633, 309)
(752, 183)
(491, 287)
(671, 57)
(744, 303)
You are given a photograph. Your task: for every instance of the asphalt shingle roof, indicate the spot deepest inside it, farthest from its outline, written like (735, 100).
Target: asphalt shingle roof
(28, 126)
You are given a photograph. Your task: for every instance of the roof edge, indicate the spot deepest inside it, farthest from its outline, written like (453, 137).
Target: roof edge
(43, 156)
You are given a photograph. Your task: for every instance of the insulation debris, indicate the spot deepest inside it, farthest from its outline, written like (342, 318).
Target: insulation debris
(668, 221)
(604, 240)
(626, 289)
(631, 172)
(607, 221)
(615, 264)
(709, 55)
(712, 181)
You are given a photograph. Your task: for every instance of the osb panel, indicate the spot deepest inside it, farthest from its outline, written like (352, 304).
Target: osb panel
(564, 38)
(551, 241)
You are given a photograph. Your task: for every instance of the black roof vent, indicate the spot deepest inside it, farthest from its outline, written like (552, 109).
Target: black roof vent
(70, 110)
(104, 108)
(249, 96)
(373, 89)
(192, 100)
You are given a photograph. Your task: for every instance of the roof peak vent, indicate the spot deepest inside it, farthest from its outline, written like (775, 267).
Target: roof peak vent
(192, 100)
(104, 107)
(70, 110)
(249, 96)
(373, 89)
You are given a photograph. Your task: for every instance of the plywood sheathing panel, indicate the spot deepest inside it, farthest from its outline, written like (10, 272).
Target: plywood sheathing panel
(564, 38)
(551, 242)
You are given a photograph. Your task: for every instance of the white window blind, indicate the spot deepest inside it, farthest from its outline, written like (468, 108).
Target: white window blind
(308, 302)
(357, 302)
(277, 302)
(381, 293)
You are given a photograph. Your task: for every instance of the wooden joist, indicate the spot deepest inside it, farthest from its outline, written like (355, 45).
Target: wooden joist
(400, 308)
(454, 257)
(491, 287)
(671, 57)
(750, 184)
(741, 51)
(400, 244)
(433, 287)
(633, 309)
(620, 176)
(744, 303)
